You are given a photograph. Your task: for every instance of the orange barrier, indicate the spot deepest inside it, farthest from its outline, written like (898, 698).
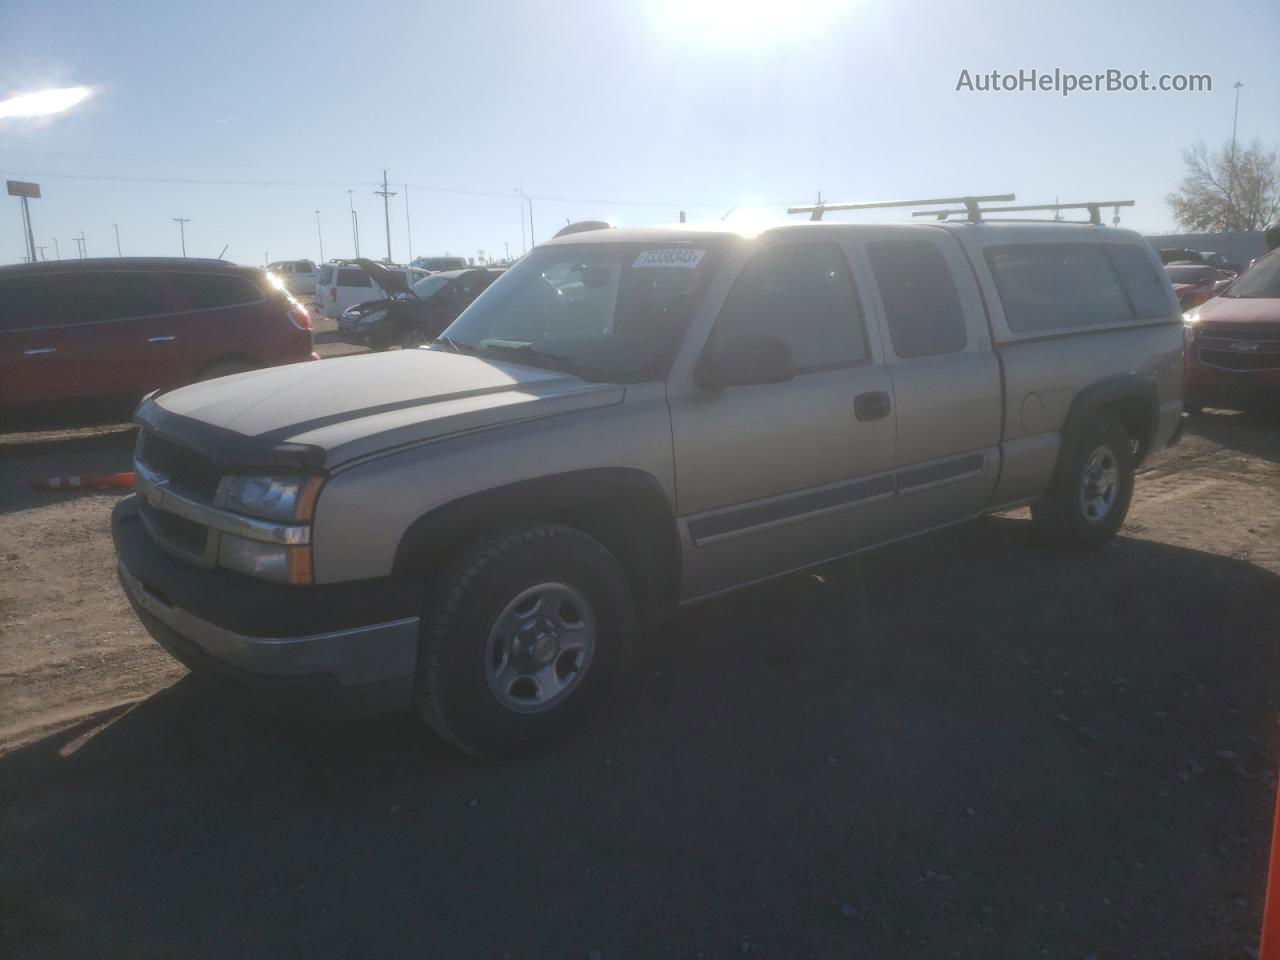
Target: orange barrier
(88, 481)
(1271, 907)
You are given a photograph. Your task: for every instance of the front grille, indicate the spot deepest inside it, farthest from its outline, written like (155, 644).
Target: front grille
(182, 533)
(1243, 362)
(1215, 332)
(186, 469)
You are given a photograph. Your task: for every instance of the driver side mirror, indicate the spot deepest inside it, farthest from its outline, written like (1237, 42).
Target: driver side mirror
(745, 360)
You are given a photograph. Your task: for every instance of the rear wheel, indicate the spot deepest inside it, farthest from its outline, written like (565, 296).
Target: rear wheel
(414, 337)
(524, 637)
(1090, 496)
(223, 368)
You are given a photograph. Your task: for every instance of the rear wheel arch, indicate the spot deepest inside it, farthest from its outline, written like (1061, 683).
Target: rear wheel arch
(625, 509)
(235, 362)
(1131, 399)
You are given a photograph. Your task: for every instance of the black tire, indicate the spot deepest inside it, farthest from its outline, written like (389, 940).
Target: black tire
(413, 337)
(1060, 517)
(465, 600)
(223, 368)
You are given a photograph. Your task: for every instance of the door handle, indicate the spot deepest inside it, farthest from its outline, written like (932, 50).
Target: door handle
(160, 339)
(872, 406)
(39, 351)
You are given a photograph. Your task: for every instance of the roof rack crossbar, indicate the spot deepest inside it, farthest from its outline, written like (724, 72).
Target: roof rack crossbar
(816, 211)
(1093, 206)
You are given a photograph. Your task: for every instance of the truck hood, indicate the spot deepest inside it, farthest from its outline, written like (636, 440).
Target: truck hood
(1241, 310)
(350, 407)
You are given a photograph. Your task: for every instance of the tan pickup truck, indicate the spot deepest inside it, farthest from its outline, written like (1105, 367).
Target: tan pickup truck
(632, 420)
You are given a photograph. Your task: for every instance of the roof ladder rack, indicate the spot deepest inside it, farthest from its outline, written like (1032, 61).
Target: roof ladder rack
(1093, 206)
(970, 203)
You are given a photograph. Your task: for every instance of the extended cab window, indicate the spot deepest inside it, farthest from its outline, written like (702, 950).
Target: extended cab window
(920, 300)
(1053, 286)
(801, 293)
(1142, 281)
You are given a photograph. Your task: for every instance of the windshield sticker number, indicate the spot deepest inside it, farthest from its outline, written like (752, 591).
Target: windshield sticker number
(671, 257)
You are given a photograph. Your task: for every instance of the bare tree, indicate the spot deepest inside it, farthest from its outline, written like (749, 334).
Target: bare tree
(1227, 190)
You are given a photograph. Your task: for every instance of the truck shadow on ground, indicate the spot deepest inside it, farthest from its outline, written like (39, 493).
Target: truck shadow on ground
(962, 742)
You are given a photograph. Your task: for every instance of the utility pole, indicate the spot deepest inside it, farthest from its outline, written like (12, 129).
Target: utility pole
(320, 235)
(386, 195)
(116, 226)
(41, 249)
(57, 251)
(84, 247)
(182, 231)
(407, 225)
(355, 222)
(507, 247)
(529, 200)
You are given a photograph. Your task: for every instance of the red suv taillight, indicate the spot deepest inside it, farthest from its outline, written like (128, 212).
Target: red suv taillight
(301, 319)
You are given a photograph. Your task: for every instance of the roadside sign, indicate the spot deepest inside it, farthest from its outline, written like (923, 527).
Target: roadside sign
(21, 188)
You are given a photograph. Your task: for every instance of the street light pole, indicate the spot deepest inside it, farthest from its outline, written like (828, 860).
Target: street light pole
(182, 231)
(1231, 177)
(408, 225)
(355, 222)
(320, 236)
(116, 226)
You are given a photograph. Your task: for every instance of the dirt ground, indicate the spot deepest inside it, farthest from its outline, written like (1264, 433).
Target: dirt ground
(962, 746)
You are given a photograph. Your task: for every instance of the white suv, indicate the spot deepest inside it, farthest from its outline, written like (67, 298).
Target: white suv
(298, 276)
(344, 283)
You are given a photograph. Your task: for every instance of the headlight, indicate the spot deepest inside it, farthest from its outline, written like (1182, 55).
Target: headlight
(373, 317)
(274, 498)
(268, 561)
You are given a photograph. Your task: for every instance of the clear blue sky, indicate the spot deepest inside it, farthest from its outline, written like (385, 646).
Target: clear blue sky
(627, 110)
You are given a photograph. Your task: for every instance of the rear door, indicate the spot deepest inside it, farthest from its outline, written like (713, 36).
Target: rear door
(773, 477)
(946, 379)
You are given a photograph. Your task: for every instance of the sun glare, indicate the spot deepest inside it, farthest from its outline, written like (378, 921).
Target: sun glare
(43, 103)
(745, 22)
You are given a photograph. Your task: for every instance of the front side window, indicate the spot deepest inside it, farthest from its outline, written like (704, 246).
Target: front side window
(920, 301)
(610, 312)
(430, 286)
(803, 294)
(1052, 286)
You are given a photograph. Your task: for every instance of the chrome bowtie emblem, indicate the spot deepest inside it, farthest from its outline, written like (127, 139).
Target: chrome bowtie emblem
(1243, 346)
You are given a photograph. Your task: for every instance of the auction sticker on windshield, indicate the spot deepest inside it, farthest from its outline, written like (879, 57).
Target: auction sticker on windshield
(670, 257)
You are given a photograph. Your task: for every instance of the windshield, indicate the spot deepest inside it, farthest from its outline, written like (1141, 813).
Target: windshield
(613, 312)
(430, 286)
(1191, 275)
(1261, 281)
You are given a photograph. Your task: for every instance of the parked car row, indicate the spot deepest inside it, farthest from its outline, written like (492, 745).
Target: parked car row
(114, 329)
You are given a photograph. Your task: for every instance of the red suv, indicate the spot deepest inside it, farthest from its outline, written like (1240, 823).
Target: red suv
(1233, 342)
(105, 329)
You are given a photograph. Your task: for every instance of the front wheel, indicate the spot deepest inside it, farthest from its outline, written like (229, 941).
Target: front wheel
(525, 635)
(1090, 495)
(414, 337)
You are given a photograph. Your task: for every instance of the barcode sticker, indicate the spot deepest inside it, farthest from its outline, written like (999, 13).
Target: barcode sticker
(670, 257)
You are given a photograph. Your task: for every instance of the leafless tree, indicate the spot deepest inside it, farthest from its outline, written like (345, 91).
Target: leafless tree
(1227, 190)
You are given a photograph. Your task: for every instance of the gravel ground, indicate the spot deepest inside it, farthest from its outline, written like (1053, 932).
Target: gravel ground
(961, 746)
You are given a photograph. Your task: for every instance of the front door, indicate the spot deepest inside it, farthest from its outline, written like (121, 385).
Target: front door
(774, 477)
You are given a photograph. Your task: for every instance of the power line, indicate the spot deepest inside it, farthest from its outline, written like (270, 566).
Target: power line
(431, 188)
